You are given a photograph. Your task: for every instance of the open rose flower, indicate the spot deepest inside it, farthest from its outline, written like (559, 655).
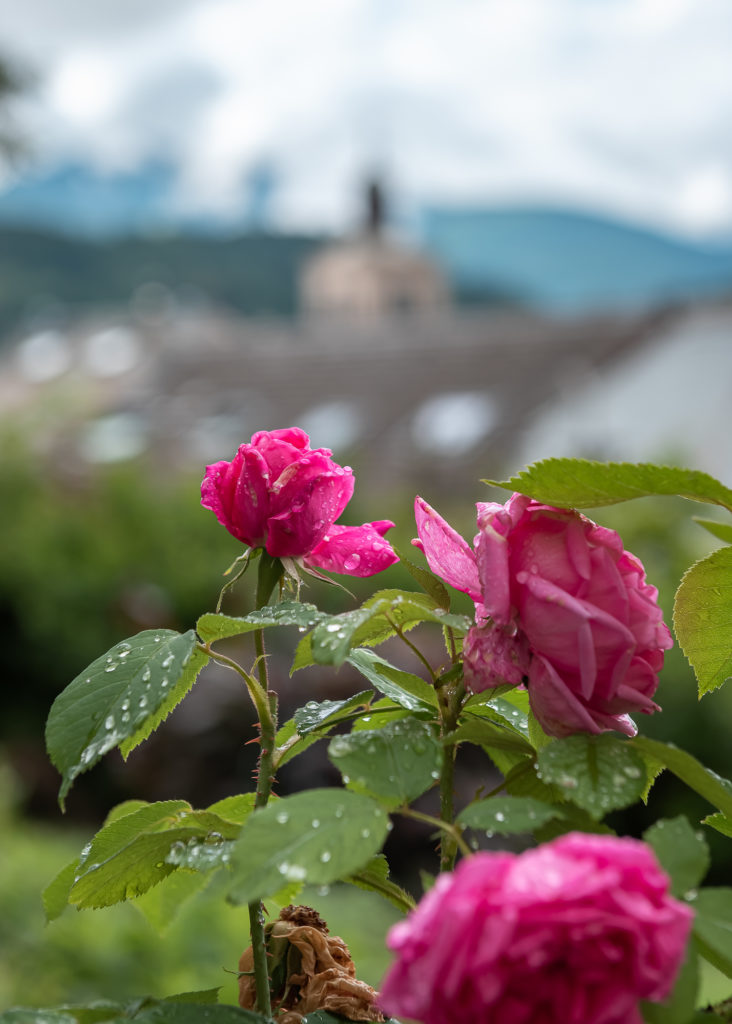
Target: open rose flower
(576, 931)
(560, 606)
(279, 495)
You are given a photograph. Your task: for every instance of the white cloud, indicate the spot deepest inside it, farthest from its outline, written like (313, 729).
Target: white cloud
(622, 104)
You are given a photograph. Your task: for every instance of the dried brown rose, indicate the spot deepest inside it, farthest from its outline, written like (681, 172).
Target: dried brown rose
(309, 970)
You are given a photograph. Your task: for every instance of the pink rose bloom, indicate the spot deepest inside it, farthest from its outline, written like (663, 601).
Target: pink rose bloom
(279, 495)
(560, 606)
(576, 931)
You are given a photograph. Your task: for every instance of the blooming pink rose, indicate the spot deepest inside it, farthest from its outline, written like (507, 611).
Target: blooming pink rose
(560, 606)
(576, 931)
(278, 494)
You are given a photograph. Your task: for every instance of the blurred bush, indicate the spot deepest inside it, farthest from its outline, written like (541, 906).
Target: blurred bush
(115, 954)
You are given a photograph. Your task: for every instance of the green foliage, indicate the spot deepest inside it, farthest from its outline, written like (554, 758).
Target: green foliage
(703, 619)
(113, 699)
(508, 815)
(713, 926)
(382, 616)
(706, 783)
(679, 1007)
(394, 764)
(682, 852)
(314, 716)
(318, 837)
(135, 852)
(374, 877)
(581, 483)
(409, 691)
(722, 531)
(212, 627)
(598, 773)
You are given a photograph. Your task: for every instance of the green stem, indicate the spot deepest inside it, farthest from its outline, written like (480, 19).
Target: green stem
(447, 830)
(267, 578)
(450, 704)
(400, 633)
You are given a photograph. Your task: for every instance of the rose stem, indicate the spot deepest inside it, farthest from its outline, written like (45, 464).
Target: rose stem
(267, 577)
(450, 698)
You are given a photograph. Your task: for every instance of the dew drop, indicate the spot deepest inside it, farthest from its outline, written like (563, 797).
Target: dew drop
(325, 856)
(333, 627)
(365, 833)
(500, 816)
(109, 723)
(167, 660)
(146, 674)
(164, 682)
(282, 817)
(352, 562)
(315, 823)
(142, 703)
(110, 668)
(338, 812)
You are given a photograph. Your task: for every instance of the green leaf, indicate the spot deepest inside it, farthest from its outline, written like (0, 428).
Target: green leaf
(430, 583)
(208, 996)
(681, 850)
(706, 783)
(375, 621)
(404, 688)
(329, 712)
(211, 627)
(30, 1016)
(508, 815)
(486, 733)
(374, 877)
(318, 836)
(56, 894)
(720, 822)
(573, 819)
(168, 1012)
(522, 779)
(111, 700)
(703, 619)
(581, 483)
(395, 764)
(679, 1007)
(382, 713)
(198, 660)
(598, 773)
(162, 904)
(512, 706)
(722, 531)
(134, 853)
(713, 926)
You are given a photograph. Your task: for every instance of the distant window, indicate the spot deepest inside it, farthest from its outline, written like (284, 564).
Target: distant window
(114, 438)
(112, 352)
(335, 425)
(454, 422)
(44, 356)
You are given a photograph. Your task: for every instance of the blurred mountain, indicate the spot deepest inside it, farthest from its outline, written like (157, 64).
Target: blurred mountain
(72, 236)
(571, 262)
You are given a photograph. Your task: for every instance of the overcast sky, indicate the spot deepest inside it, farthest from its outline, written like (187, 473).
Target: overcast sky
(619, 105)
